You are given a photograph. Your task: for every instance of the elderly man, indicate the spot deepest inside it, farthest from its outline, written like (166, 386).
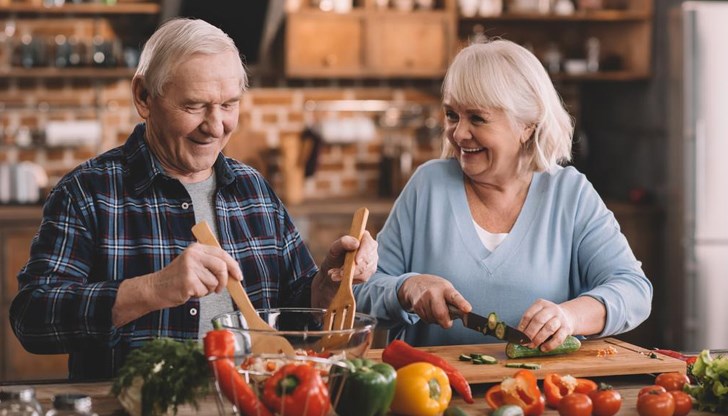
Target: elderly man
(115, 262)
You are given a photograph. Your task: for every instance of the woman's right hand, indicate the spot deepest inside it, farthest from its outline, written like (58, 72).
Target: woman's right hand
(428, 296)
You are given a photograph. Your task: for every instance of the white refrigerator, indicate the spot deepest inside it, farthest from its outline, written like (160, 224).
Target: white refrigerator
(698, 195)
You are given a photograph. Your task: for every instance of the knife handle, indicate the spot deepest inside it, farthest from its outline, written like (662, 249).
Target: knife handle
(454, 312)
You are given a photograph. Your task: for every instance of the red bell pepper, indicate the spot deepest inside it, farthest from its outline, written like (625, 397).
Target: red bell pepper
(521, 390)
(297, 390)
(399, 354)
(556, 387)
(219, 347)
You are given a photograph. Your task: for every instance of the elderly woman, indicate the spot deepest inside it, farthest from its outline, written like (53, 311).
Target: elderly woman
(498, 225)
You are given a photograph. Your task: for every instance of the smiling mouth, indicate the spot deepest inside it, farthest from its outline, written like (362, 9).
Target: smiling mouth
(471, 151)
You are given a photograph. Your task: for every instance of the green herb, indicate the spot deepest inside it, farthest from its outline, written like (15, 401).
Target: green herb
(711, 389)
(174, 373)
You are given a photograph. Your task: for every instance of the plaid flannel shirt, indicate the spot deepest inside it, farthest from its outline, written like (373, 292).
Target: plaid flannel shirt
(118, 216)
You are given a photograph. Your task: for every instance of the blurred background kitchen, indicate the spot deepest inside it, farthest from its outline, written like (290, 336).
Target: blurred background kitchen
(344, 105)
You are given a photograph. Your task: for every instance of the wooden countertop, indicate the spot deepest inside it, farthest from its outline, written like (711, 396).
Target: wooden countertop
(105, 404)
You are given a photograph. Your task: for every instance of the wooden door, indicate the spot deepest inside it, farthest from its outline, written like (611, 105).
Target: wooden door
(414, 45)
(320, 46)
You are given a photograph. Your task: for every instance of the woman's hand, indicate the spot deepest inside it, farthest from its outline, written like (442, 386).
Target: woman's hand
(547, 324)
(429, 296)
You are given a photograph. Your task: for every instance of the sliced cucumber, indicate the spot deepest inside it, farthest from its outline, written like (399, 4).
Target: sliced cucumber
(492, 321)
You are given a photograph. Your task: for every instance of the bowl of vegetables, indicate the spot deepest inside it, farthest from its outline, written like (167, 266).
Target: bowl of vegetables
(277, 384)
(303, 328)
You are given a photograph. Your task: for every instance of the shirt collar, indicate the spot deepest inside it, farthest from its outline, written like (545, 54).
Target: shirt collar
(145, 167)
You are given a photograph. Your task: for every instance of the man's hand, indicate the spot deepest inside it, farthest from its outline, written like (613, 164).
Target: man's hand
(330, 274)
(198, 271)
(428, 296)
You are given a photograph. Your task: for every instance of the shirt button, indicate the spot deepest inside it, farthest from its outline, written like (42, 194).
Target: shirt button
(193, 311)
(185, 205)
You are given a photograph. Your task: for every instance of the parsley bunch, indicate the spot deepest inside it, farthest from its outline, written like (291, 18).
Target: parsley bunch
(174, 373)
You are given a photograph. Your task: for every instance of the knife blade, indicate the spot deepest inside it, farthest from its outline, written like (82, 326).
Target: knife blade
(479, 323)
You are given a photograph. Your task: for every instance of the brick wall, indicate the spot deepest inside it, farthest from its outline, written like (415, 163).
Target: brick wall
(269, 117)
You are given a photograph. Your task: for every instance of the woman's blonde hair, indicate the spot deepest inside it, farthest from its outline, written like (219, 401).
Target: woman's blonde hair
(176, 40)
(504, 75)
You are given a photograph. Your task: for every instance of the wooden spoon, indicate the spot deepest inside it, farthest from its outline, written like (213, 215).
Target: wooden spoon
(261, 343)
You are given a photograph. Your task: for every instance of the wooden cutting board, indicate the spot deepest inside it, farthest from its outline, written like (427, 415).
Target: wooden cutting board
(628, 359)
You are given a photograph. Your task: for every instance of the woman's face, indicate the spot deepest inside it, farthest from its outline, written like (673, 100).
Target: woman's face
(486, 145)
(192, 122)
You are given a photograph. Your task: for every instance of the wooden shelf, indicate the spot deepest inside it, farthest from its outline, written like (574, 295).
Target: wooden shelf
(86, 8)
(89, 73)
(590, 17)
(602, 76)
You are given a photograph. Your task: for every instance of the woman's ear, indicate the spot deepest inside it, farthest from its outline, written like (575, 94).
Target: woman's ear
(527, 133)
(141, 97)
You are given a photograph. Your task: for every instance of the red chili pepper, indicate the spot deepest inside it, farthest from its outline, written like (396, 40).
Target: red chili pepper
(556, 387)
(521, 390)
(673, 354)
(220, 344)
(297, 390)
(399, 354)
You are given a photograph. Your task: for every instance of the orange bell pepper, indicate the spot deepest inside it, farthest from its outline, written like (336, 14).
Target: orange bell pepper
(521, 390)
(556, 387)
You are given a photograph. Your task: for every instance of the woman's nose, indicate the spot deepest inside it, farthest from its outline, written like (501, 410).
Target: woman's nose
(460, 131)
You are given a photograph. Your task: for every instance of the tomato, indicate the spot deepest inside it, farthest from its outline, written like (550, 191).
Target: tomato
(575, 404)
(606, 401)
(648, 389)
(672, 381)
(683, 403)
(655, 403)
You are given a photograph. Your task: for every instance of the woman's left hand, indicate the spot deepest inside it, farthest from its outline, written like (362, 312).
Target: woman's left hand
(547, 324)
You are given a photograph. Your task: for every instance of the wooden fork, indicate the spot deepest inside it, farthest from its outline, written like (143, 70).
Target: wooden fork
(340, 314)
(260, 342)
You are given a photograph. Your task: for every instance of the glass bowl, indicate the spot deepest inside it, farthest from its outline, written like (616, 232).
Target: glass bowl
(303, 328)
(263, 375)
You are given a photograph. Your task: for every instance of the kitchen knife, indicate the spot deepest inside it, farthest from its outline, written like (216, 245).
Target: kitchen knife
(480, 324)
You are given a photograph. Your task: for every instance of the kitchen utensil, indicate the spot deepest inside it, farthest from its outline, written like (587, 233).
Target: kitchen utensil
(340, 314)
(480, 324)
(262, 342)
(303, 328)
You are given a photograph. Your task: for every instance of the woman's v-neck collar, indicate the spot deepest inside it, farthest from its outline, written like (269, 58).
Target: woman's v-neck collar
(464, 220)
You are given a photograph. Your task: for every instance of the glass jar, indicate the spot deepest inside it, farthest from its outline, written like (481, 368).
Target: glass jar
(19, 401)
(71, 404)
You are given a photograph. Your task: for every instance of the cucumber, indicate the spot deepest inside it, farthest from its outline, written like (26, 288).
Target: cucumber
(492, 321)
(500, 330)
(455, 411)
(508, 410)
(571, 344)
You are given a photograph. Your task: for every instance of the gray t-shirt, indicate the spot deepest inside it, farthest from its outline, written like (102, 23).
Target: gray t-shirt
(203, 204)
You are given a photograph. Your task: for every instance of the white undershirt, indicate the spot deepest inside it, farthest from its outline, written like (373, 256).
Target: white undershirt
(490, 240)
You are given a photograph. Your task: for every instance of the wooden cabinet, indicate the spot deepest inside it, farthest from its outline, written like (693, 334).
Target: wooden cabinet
(370, 42)
(623, 32)
(418, 46)
(318, 46)
(17, 229)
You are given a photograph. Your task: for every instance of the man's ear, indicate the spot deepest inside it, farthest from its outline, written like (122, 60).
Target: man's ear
(141, 97)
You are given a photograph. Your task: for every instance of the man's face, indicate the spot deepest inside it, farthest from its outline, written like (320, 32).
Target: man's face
(192, 121)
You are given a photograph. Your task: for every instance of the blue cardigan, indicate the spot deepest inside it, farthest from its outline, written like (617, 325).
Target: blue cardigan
(565, 243)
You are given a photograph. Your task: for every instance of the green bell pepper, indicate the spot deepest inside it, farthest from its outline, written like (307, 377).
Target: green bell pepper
(365, 387)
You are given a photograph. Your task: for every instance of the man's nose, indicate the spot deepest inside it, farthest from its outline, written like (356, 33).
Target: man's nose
(213, 124)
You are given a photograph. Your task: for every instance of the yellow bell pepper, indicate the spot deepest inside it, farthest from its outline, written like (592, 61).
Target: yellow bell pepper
(422, 389)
